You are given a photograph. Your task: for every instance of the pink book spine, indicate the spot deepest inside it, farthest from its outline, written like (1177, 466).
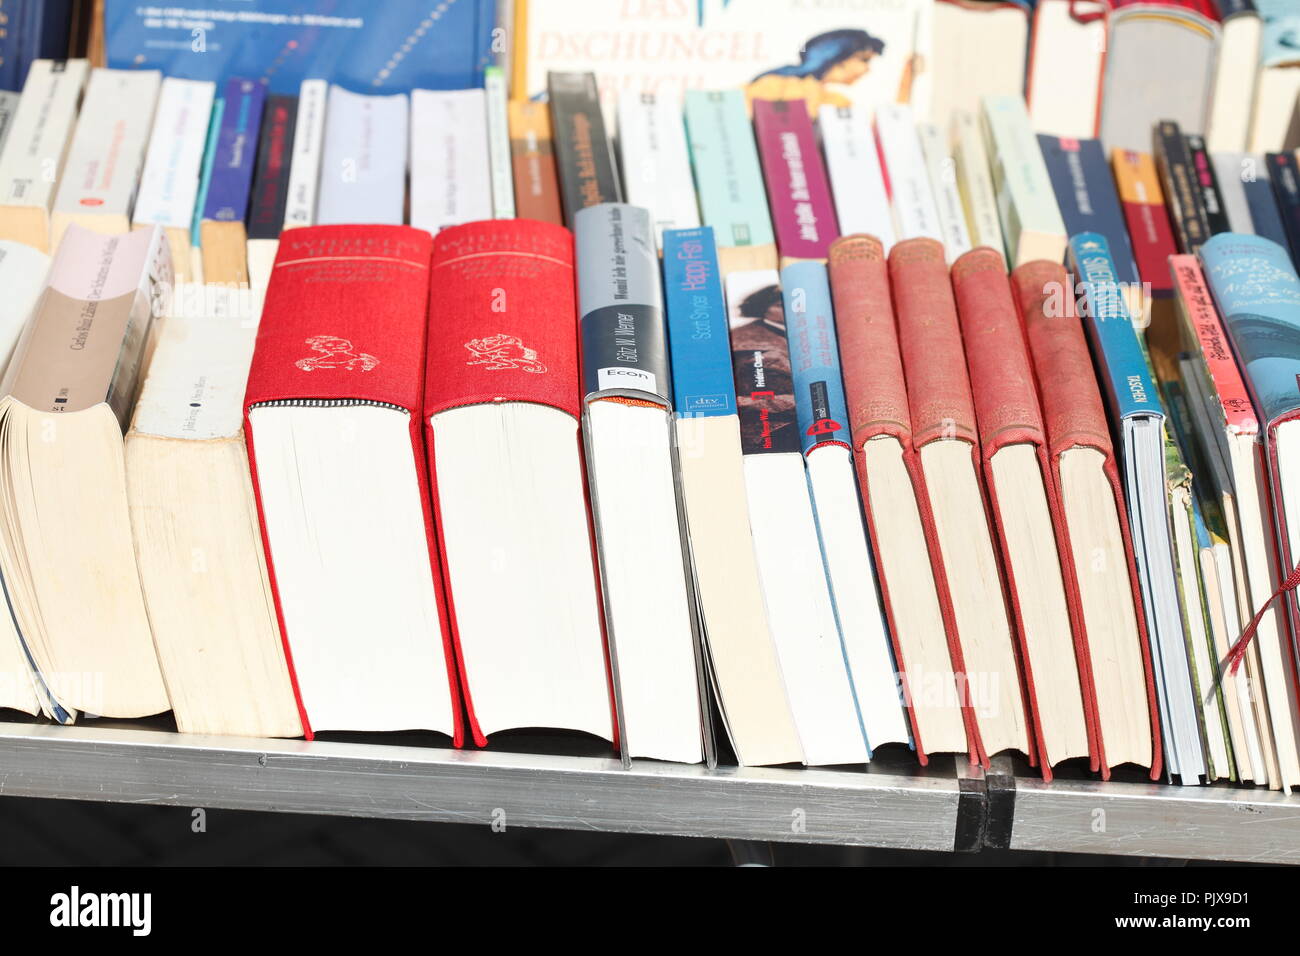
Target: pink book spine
(798, 189)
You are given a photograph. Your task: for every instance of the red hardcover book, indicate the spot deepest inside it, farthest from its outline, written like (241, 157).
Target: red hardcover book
(896, 508)
(332, 415)
(501, 405)
(1026, 510)
(1075, 422)
(946, 441)
(798, 189)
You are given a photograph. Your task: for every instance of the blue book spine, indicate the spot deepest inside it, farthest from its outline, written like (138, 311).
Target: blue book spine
(1255, 286)
(12, 11)
(1085, 190)
(205, 176)
(362, 45)
(1265, 216)
(236, 155)
(1126, 377)
(698, 340)
(822, 412)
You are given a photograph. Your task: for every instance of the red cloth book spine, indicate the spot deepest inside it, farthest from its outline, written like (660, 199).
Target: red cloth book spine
(353, 289)
(1075, 416)
(939, 397)
(502, 328)
(874, 389)
(798, 188)
(1008, 413)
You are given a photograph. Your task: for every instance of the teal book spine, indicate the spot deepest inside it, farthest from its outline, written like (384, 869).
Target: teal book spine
(1124, 373)
(728, 177)
(1255, 286)
(205, 177)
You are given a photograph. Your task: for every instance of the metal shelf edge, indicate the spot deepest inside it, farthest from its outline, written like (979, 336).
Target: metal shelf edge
(477, 787)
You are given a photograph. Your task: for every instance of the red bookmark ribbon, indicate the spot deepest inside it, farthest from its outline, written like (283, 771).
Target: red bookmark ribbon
(1238, 650)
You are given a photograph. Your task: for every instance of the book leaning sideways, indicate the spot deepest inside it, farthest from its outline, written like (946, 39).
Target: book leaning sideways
(65, 536)
(1139, 419)
(1258, 295)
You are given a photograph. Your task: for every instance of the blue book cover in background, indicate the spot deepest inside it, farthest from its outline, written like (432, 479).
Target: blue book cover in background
(1258, 293)
(231, 179)
(698, 341)
(814, 356)
(1264, 213)
(1125, 376)
(365, 45)
(1085, 190)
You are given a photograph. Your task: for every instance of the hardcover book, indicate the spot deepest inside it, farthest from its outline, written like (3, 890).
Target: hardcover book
(909, 564)
(1095, 539)
(336, 451)
(501, 415)
(979, 626)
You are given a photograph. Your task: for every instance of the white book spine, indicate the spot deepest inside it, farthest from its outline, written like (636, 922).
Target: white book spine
(975, 182)
(857, 183)
(943, 183)
(37, 145)
(1229, 168)
(8, 107)
(450, 183)
(308, 144)
(498, 130)
(22, 277)
(107, 151)
(656, 162)
(169, 184)
(195, 386)
(363, 167)
(912, 199)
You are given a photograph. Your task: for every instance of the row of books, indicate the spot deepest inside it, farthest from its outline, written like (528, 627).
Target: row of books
(1224, 69)
(416, 475)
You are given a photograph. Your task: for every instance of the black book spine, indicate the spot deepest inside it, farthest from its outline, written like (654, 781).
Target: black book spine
(583, 156)
(1186, 212)
(274, 159)
(1285, 176)
(1207, 184)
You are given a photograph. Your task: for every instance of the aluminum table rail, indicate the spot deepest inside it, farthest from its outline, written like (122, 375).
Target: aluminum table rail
(892, 804)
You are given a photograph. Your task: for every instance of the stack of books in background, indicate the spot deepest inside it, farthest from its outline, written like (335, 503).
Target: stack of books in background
(738, 379)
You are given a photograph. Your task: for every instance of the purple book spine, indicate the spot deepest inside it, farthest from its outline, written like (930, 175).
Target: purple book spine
(797, 186)
(232, 170)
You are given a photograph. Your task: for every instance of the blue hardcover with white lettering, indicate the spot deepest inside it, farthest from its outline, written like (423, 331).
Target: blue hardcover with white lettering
(699, 345)
(819, 403)
(1124, 374)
